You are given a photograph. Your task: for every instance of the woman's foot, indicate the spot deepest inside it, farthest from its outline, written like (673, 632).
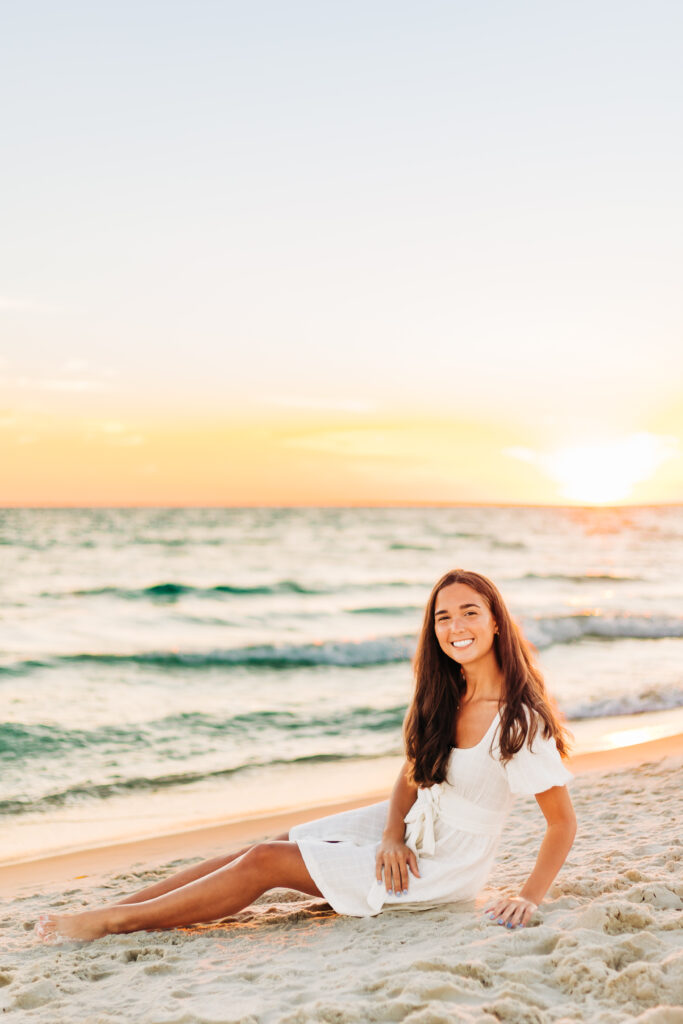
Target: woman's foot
(91, 924)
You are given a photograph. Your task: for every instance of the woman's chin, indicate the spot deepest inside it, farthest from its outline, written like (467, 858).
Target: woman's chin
(459, 659)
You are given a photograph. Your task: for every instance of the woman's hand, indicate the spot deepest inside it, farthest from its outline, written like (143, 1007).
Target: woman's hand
(512, 911)
(394, 857)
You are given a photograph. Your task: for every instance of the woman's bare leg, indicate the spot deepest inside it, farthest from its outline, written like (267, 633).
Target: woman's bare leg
(205, 867)
(219, 894)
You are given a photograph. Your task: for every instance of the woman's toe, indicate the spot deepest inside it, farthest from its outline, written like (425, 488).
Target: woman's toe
(46, 928)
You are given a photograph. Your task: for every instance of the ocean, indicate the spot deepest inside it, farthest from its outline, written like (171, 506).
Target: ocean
(163, 668)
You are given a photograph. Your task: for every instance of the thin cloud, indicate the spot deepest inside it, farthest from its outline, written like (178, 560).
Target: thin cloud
(7, 303)
(11, 305)
(75, 366)
(322, 404)
(114, 433)
(73, 384)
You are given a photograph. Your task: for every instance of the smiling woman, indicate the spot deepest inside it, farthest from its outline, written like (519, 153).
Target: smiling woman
(480, 729)
(487, 661)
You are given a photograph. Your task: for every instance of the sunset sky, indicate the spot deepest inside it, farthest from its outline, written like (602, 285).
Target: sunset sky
(341, 253)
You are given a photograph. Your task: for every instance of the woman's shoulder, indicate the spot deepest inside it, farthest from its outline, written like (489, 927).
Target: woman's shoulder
(533, 721)
(537, 764)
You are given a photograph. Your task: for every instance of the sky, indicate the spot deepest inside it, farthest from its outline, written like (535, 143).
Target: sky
(341, 252)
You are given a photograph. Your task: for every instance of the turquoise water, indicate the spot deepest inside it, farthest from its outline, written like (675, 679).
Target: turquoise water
(151, 650)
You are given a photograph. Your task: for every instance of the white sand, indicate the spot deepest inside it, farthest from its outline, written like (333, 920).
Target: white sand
(606, 946)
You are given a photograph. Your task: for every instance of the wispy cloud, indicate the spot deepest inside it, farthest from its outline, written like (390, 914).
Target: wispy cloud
(75, 366)
(355, 443)
(7, 303)
(113, 432)
(72, 384)
(353, 405)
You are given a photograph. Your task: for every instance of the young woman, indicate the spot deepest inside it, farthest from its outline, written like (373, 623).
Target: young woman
(479, 730)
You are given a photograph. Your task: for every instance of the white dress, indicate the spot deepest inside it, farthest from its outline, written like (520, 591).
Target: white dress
(454, 828)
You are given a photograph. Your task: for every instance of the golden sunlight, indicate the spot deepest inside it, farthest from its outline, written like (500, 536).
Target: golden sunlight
(602, 471)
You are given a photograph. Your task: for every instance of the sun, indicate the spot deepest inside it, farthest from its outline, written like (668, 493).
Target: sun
(601, 471)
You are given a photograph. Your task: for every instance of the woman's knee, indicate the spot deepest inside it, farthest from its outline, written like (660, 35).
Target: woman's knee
(279, 865)
(262, 856)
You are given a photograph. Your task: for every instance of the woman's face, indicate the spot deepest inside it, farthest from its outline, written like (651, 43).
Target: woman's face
(463, 623)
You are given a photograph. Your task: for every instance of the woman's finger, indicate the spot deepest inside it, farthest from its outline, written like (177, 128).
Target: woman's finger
(403, 880)
(412, 862)
(502, 912)
(494, 909)
(513, 914)
(389, 872)
(398, 875)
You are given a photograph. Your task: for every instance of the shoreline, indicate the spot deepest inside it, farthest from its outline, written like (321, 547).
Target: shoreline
(285, 788)
(93, 862)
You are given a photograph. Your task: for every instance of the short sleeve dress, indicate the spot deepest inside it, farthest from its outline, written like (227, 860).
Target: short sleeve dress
(453, 827)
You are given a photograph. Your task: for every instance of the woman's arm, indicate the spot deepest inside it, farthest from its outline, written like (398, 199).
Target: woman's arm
(393, 856)
(557, 809)
(403, 796)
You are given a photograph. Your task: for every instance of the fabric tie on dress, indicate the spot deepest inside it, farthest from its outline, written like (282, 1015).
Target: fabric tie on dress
(420, 820)
(441, 801)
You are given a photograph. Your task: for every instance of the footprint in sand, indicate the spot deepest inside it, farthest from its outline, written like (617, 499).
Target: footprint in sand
(656, 895)
(615, 917)
(36, 995)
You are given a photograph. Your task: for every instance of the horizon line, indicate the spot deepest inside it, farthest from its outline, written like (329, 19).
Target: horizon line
(394, 504)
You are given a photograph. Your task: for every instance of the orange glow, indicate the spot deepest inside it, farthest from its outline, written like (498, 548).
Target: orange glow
(291, 459)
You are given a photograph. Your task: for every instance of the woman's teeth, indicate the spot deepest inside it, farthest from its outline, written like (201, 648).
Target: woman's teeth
(462, 643)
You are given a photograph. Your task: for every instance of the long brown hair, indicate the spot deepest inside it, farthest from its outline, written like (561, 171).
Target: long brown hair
(429, 725)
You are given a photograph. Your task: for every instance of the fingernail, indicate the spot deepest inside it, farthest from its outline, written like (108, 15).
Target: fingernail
(500, 920)
(405, 892)
(508, 924)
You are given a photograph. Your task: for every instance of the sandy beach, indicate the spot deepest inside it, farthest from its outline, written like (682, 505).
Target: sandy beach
(606, 945)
